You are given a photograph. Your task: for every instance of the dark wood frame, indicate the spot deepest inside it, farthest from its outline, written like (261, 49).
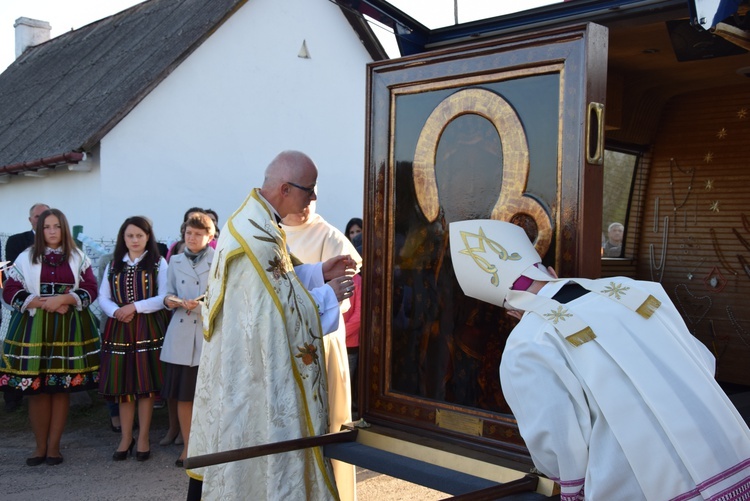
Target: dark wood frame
(579, 54)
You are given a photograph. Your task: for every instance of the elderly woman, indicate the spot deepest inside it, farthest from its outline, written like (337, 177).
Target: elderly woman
(187, 280)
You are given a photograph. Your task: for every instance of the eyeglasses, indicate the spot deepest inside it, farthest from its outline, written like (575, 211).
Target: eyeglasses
(310, 191)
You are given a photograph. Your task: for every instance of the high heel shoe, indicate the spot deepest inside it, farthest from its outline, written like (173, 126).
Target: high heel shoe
(142, 456)
(123, 455)
(169, 439)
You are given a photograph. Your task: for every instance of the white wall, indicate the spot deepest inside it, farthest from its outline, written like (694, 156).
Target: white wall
(204, 136)
(77, 194)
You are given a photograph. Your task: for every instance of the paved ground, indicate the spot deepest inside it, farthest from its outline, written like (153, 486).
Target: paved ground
(89, 474)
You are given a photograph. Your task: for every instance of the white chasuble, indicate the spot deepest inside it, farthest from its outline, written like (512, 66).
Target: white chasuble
(634, 413)
(262, 375)
(313, 241)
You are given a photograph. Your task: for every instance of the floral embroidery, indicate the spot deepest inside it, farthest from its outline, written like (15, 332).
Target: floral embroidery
(281, 269)
(277, 268)
(559, 315)
(49, 380)
(308, 353)
(616, 290)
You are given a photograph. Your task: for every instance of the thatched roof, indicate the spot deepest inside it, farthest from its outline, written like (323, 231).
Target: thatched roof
(59, 98)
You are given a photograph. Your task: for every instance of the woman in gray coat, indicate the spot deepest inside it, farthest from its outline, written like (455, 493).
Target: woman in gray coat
(187, 280)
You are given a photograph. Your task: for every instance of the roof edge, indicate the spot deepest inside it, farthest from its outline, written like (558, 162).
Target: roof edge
(71, 157)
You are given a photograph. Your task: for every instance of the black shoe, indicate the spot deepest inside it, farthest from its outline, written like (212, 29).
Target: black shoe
(122, 455)
(52, 461)
(142, 456)
(35, 461)
(180, 463)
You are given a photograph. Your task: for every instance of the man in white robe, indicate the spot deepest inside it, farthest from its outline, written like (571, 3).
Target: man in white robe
(614, 397)
(312, 239)
(262, 375)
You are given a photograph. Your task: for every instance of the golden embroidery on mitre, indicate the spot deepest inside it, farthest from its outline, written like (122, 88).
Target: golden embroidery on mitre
(483, 263)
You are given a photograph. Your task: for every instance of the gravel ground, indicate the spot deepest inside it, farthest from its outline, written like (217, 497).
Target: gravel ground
(89, 474)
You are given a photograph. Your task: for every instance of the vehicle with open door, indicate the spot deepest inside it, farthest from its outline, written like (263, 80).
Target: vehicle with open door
(564, 119)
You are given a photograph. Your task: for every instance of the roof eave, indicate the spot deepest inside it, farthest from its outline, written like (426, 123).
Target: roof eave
(71, 157)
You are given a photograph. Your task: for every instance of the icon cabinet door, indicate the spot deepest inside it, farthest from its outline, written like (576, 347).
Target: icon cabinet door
(509, 129)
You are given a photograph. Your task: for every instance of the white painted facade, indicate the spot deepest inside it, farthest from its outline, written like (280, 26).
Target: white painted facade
(205, 134)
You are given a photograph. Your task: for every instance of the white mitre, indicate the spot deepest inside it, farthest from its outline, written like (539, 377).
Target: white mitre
(489, 256)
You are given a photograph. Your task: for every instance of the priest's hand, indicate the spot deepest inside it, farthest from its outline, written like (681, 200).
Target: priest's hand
(342, 286)
(339, 266)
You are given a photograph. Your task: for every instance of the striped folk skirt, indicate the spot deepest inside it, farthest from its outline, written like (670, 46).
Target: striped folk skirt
(131, 365)
(50, 353)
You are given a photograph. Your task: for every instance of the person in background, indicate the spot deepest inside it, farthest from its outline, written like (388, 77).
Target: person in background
(52, 345)
(187, 280)
(173, 434)
(215, 217)
(613, 396)
(261, 378)
(353, 228)
(353, 321)
(178, 246)
(132, 296)
(13, 247)
(112, 407)
(312, 240)
(613, 245)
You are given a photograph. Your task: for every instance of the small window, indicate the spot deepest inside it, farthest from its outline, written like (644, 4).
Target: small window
(619, 171)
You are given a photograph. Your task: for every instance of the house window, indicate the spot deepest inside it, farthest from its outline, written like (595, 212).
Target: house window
(619, 174)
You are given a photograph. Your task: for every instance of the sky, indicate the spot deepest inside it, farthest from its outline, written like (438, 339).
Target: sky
(64, 15)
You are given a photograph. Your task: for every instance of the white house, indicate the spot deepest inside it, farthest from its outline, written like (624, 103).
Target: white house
(179, 103)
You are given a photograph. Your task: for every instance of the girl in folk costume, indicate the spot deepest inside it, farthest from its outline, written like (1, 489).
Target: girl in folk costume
(52, 346)
(187, 282)
(132, 295)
